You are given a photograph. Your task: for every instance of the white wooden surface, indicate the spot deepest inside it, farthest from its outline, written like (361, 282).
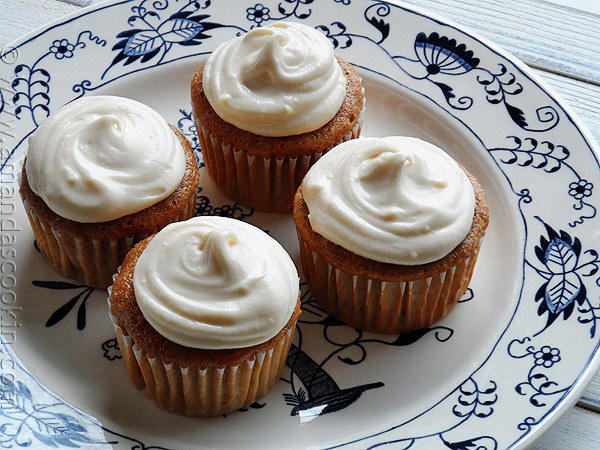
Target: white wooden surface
(19, 17)
(543, 34)
(564, 49)
(577, 430)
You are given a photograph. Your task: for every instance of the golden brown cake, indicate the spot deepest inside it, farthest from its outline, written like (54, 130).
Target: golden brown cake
(90, 252)
(263, 171)
(384, 297)
(186, 380)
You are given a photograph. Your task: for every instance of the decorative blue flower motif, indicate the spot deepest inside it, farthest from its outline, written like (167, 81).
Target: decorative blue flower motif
(258, 14)
(158, 36)
(336, 32)
(580, 189)
(26, 422)
(560, 254)
(204, 207)
(539, 386)
(187, 126)
(549, 157)
(62, 48)
(547, 356)
(442, 55)
(31, 83)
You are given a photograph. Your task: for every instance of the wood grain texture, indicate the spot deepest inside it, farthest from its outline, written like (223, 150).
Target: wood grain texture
(22, 16)
(592, 6)
(576, 430)
(546, 35)
(584, 98)
(591, 397)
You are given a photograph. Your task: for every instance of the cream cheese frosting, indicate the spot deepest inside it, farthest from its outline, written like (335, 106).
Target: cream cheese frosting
(397, 200)
(215, 283)
(279, 80)
(103, 157)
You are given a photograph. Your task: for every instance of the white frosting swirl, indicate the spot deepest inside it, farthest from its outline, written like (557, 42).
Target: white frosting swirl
(278, 80)
(102, 157)
(215, 283)
(397, 200)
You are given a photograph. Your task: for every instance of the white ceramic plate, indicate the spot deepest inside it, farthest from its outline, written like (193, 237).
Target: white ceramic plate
(512, 356)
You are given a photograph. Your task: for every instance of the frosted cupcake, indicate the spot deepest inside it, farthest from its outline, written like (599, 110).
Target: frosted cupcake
(101, 174)
(389, 229)
(267, 105)
(204, 313)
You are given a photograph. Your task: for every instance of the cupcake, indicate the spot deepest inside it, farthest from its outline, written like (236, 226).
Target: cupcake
(101, 174)
(267, 105)
(205, 313)
(389, 230)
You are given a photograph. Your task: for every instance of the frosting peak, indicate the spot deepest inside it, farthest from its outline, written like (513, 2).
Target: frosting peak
(215, 283)
(278, 80)
(99, 158)
(397, 200)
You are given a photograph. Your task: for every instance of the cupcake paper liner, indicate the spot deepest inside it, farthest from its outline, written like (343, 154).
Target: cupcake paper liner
(263, 183)
(381, 306)
(90, 261)
(202, 391)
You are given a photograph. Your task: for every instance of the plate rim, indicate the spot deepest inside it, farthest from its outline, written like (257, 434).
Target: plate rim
(588, 371)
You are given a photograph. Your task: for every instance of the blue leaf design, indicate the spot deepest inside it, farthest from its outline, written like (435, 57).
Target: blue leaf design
(24, 391)
(561, 291)
(16, 401)
(382, 26)
(27, 419)
(462, 445)
(179, 30)
(560, 256)
(55, 284)
(142, 42)
(516, 114)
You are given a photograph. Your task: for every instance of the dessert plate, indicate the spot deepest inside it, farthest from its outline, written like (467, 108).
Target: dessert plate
(513, 355)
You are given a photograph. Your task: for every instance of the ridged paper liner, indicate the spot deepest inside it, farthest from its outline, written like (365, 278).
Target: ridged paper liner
(263, 183)
(385, 306)
(203, 392)
(90, 261)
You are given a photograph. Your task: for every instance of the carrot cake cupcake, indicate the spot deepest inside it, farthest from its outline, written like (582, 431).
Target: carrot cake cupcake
(267, 105)
(389, 232)
(205, 313)
(101, 174)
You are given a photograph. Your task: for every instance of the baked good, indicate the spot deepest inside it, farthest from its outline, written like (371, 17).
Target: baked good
(267, 105)
(101, 174)
(390, 230)
(205, 313)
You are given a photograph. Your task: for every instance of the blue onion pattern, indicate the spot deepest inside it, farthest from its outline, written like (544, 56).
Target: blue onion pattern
(440, 54)
(62, 49)
(538, 386)
(187, 126)
(564, 272)
(157, 34)
(258, 13)
(580, 189)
